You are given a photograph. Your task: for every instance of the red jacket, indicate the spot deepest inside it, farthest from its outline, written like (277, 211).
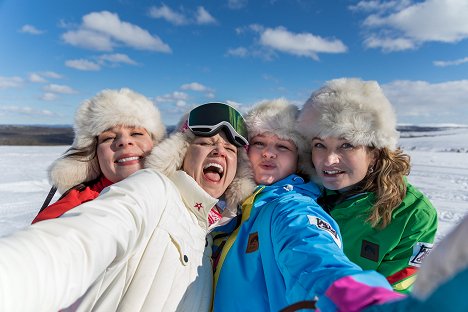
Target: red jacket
(72, 199)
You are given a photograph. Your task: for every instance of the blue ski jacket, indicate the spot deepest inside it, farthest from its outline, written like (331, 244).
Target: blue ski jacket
(287, 249)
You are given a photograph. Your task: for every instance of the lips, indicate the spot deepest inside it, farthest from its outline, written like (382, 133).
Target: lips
(126, 159)
(213, 171)
(332, 172)
(267, 165)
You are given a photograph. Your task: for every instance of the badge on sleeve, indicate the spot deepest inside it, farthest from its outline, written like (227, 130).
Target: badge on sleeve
(325, 226)
(420, 251)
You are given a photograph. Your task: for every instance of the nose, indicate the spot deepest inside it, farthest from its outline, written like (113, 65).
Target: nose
(219, 150)
(124, 140)
(268, 152)
(331, 159)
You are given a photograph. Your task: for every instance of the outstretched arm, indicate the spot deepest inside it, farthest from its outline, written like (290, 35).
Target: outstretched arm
(51, 264)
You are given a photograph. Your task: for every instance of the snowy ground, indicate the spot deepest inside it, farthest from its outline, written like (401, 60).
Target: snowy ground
(439, 158)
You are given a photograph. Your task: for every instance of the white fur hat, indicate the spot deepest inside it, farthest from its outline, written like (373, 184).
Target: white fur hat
(168, 157)
(352, 109)
(279, 117)
(107, 109)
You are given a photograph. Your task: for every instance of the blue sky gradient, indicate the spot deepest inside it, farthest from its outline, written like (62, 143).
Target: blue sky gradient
(56, 53)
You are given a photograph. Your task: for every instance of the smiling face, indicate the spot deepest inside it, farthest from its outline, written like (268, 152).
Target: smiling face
(272, 158)
(212, 163)
(121, 151)
(339, 164)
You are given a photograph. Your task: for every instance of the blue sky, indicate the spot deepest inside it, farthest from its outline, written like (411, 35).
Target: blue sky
(56, 53)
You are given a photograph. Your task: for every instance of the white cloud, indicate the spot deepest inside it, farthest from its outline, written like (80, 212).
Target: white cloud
(10, 82)
(168, 14)
(175, 96)
(389, 44)
(194, 86)
(380, 6)
(39, 77)
(104, 30)
(425, 100)
(237, 4)
(239, 52)
(204, 17)
(117, 58)
(35, 77)
(415, 23)
(201, 16)
(47, 96)
(51, 74)
(300, 44)
(29, 29)
(198, 87)
(82, 64)
(61, 89)
(451, 63)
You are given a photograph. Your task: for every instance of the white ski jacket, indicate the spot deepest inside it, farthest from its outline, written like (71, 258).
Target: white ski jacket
(139, 246)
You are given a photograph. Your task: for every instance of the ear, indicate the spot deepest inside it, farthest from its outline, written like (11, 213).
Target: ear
(373, 155)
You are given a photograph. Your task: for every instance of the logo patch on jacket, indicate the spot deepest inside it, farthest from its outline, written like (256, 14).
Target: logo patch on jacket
(325, 226)
(253, 243)
(420, 251)
(370, 250)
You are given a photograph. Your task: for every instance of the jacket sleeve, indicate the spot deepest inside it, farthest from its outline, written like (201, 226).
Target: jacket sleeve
(49, 265)
(70, 201)
(307, 247)
(416, 241)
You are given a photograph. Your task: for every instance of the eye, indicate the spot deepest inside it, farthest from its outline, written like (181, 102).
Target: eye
(258, 144)
(347, 146)
(106, 138)
(231, 148)
(318, 145)
(137, 133)
(283, 147)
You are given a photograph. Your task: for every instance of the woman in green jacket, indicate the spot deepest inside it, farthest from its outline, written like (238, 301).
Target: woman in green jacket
(387, 224)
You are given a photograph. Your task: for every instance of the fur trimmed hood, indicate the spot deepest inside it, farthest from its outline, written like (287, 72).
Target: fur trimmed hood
(352, 109)
(107, 109)
(168, 157)
(279, 117)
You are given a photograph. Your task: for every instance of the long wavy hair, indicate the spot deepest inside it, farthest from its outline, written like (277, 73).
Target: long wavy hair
(387, 183)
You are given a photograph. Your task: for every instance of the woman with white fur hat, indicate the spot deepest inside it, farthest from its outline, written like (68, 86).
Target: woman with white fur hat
(141, 244)
(387, 224)
(114, 132)
(287, 251)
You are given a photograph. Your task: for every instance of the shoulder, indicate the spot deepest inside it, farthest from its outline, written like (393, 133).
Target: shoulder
(417, 203)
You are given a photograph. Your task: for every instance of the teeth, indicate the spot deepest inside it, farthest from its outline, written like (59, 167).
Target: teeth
(128, 159)
(331, 171)
(221, 170)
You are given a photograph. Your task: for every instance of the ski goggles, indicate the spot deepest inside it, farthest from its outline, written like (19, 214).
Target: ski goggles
(208, 119)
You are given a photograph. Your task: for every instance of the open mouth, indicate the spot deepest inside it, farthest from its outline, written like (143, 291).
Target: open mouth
(213, 171)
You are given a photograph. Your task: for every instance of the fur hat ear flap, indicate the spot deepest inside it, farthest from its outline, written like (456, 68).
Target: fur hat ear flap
(168, 156)
(241, 187)
(67, 171)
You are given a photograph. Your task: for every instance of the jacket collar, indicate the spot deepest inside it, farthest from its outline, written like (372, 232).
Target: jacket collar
(194, 197)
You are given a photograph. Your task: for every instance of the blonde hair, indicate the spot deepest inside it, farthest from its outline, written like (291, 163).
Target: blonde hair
(387, 183)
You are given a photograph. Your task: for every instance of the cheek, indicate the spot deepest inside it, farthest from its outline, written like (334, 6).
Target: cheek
(104, 153)
(253, 154)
